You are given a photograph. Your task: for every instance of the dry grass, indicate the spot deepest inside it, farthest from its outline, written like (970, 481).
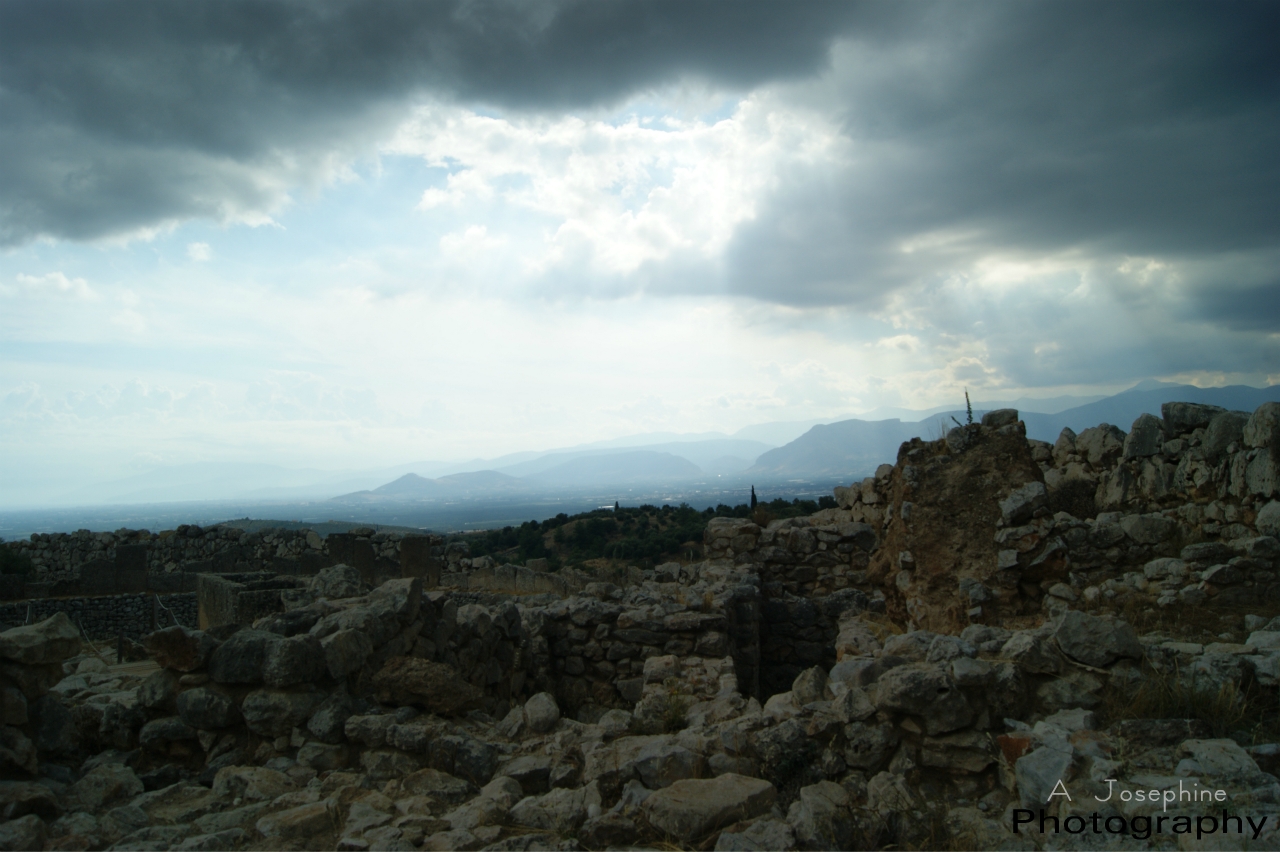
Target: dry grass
(1248, 713)
(1203, 623)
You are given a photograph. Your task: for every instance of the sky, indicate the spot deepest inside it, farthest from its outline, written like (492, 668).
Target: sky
(339, 235)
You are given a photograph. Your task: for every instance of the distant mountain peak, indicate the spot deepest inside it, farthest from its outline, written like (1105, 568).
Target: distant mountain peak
(1152, 384)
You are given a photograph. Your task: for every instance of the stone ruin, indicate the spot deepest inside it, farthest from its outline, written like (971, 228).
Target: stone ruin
(909, 669)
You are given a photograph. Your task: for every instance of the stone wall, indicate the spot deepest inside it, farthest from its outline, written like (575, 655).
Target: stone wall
(107, 617)
(86, 562)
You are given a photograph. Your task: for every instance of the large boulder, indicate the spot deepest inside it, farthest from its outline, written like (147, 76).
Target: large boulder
(44, 643)
(690, 810)
(1096, 641)
(180, 648)
(435, 687)
(821, 818)
(541, 712)
(328, 722)
(276, 712)
(26, 832)
(561, 810)
(1039, 771)
(345, 652)
(1224, 429)
(1023, 502)
(17, 752)
(1145, 437)
(1100, 444)
(1268, 520)
(103, 785)
(207, 709)
(926, 690)
(1180, 417)
(1263, 427)
(242, 658)
(336, 581)
(294, 660)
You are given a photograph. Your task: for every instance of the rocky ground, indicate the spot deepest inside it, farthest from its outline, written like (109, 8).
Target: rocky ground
(948, 698)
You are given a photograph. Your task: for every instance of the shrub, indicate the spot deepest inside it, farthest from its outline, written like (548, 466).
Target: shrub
(13, 562)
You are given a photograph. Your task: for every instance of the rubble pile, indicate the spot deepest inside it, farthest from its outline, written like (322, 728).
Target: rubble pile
(920, 667)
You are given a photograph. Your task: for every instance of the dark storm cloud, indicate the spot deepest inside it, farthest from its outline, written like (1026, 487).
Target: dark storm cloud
(1029, 129)
(124, 115)
(1025, 129)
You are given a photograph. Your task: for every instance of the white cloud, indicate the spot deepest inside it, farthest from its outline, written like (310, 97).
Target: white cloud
(612, 196)
(199, 252)
(52, 283)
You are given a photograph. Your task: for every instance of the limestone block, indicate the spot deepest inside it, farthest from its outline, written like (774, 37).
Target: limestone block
(1145, 437)
(820, 817)
(48, 642)
(1019, 506)
(1183, 417)
(690, 810)
(1263, 427)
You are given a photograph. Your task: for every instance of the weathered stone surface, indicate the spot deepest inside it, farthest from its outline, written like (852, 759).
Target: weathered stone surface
(1148, 529)
(330, 718)
(763, 835)
(23, 833)
(1038, 771)
(1218, 758)
(1181, 417)
(888, 793)
(436, 784)
(345, 652)
(19, 798)
(692, 809)
(242, 658)
(927, 690)
(160, 732)
(435, 687)
(13, 706)
(1263, 427)
(1100, 444)
(336, 581)
(301, 822)
(1224, 430)
(541, 712)
(1000, 417)
(1096, 641)
(276, 712)
(661, 763)
(1145, 437)
(961, 752)
(1019, 506)
(868, 745)
(1032, 651)
(180, 648)
(47, 642)
(323, 756)
(810, 686)
(607, 830)
(1268, 520)
(560, 810)
(207, 709)
(382, 765)
(17, 752)
(820, 817)
(105, 784)
(250, 783)
(294, 660)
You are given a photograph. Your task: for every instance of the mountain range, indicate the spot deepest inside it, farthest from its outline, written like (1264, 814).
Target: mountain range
(816, 451)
